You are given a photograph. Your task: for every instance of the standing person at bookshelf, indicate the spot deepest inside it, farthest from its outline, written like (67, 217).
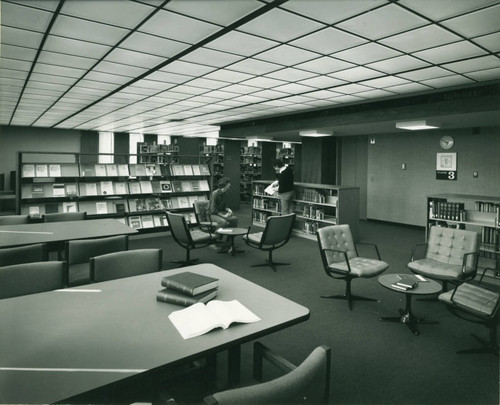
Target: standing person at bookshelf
(284, 185)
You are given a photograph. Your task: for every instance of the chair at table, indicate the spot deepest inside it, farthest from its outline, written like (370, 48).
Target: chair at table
(32, 278)
(341, 260)
(276, 234)
(450, 255)
(14, 219)
(24, 254)
(65, 216)
(187, 238)
(203, 219)
(128, 263)
(79, 252)
(477, 304)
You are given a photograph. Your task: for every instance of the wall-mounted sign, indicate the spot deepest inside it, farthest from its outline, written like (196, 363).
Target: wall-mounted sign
(446, 166)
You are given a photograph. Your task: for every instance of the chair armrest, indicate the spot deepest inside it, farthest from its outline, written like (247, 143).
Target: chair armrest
(370, 244)
(474, 266)
(261, 352)
(416, 249)
(345, 257)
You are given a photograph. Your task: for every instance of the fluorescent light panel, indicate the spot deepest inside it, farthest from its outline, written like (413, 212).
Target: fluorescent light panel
(416, 125)
(315, 133)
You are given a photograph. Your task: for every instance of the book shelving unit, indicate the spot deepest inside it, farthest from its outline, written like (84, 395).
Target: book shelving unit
(251, 169)
(213, 156)
(137, 194)
(315, 206)
(473, 212)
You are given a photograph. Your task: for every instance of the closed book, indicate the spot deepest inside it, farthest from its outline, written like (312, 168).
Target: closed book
(407, 281)
(190, 283)
(176, 297)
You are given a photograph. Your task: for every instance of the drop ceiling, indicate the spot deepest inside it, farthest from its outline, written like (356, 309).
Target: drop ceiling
(191, 66)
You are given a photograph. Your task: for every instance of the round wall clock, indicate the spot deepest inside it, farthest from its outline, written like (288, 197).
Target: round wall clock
(446, 142)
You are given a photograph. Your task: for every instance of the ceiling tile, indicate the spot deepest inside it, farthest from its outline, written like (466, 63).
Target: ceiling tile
(328, 40)
(217, 11)
(323, 94)
(107, 77)
(398, 64)
(169, 77)
(14, 64)
(209, 57)
(356, 74)
(175, 26)
(287, 55)
(255, 67)
(187, 68)
(447, 81)
(280, 25)
(483, 75)
(348, 99)
(330, 12)
(58, 70)
(53, 58)
(269, 94)
(132, 58)
(366, 53)
(228, 76)
(152, 44)
(322, 82)
(125, 70)
(429, 36)
(207, 83)
(324, 65)
(374, 93)
(43, 77)
(291, 74)
(241, 43)
(451, 52)
(75, 28)
(75, 47)
(352, 88)
(485, 62)
(442, 9)
(263, 82)
(481, 22)
(384, 21)
(127, 15)
(382, 82)
(240, 89)
(18, 52)
(23, 17)
(294, 88)
(13, 74)
(426, 73)
(490, 42)
(20, 37)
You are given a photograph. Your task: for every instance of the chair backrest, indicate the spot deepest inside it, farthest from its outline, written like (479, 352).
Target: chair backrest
(201, 211)
(80, 251)
(14, 219)
(65, 216)
(337, 237)
(179, 229)
(448, 245)
(278, 230)
(32, 278)
(125, 264)
(287, 389)
(24, 254)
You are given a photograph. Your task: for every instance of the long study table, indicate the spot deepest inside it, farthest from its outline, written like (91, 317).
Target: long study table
(26, 234)
(60, 344)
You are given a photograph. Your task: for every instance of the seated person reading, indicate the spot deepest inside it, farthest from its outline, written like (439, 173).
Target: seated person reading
(220, 214)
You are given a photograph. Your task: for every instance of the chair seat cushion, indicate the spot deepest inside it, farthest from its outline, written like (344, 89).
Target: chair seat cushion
(362, 267)
(78, 274)
(474, 298)
(254, 237)
(199, 236)
(435, 269)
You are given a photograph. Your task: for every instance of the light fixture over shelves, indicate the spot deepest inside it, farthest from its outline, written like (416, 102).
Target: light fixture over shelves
(315, 133)
(417, 125)
(259, 138)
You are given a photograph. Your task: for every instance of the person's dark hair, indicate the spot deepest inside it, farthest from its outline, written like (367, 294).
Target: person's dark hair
(223, 182)
(278, 163)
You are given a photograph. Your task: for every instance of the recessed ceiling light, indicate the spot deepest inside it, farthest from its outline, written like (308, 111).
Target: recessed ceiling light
(315, 133)
(416, 125)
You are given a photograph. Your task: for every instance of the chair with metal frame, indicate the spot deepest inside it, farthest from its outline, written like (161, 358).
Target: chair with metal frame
(65, 216)
(127, 263)
(24, 254)
(32, 278)
(188, 238)
(341, 260)
(203, 219)
(276, 234)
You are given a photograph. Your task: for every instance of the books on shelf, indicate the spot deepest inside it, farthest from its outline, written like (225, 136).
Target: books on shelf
(90, 189)
(111, 170)
(70, 207)
(146, 187)
(166, 186)
(147, 221)
(121, 187)
(122, 170)
(134, 187)
(58, 190)
(200, 318)
(174, 297)
(101, 207)
(54, 170)
(71, 190)
(107, 188)
(42, 170)
(100, 170)
(28, 170)
(190, 283)
(135, 222)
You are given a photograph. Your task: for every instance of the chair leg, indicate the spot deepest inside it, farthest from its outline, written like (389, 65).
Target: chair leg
(188, 260)
(490, 346)
(349, 296)
(270, 262)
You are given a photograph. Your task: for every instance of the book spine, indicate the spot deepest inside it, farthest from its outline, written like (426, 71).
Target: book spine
(185, 301)
(176, 286)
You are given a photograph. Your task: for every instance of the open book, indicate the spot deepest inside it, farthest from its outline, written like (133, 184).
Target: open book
(270, 189)
(201, 318)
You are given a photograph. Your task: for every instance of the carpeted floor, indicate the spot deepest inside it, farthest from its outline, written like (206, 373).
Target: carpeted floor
(373, 362)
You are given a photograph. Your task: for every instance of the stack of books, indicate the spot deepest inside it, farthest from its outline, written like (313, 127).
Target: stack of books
(405, 282)
(187, 288)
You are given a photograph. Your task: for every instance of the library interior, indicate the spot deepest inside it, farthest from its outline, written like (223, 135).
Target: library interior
(150, 251)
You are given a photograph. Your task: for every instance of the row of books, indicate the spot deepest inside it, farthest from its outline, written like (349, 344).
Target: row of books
(407, 281)
(153, 220)
(161, 148)
(311, 211)
(105, 188)
(212, 148)
(251, 150)
(266, 204)
(260, 217)
(30, 170)
(312, 195)
(454, 211)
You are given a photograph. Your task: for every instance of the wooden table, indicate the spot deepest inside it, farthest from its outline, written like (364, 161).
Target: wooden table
(59, 344)
(27, 234)
(406, 315)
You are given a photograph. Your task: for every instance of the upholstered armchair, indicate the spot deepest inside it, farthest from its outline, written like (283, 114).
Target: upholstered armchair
(449, 255)
(341, 261)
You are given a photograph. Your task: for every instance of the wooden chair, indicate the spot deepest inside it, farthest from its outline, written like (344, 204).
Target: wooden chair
(478, 304)
(188, 238)
(451, 255)
(79, 252)
(128, 263)
(32, 278)
(276, 234)
(24, 254)
(293, 387)
(341, 261)
(65, 216)
(14, 219)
